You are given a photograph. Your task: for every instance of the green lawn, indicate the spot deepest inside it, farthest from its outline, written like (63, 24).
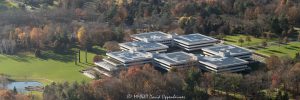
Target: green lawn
(233, 39)
(291, 49)
(52, 67)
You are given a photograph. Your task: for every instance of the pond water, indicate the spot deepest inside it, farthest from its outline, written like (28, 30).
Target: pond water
(20, 86)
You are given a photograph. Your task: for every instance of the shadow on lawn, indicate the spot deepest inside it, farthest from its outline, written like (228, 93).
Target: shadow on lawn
(63, 57)
(268, 52)
(229, 40)
(295, 47)
(276, 51)
(89, 64)
(98, 51)
(291, 48)
(19, 58)
(253, 48)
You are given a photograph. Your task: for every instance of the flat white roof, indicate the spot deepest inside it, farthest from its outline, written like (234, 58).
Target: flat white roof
(194, 39)
(220, 62)
(129, 56)
(233, 50)
(106, 65)
(152, 36)
(144, 46)
(176, 58)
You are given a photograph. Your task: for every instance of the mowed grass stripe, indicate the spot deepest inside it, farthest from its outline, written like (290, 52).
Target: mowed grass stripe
(290, 49)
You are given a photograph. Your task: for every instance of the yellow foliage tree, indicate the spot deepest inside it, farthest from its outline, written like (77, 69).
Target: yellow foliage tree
(36, 36)
(81, 35)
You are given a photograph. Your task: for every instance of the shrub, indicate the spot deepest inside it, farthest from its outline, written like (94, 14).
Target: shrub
(97, 58)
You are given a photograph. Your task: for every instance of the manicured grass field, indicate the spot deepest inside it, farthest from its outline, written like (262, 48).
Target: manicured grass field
(52, 67)
(233, 39)
(290, 49)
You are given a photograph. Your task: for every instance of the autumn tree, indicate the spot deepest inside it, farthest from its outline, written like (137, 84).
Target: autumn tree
(294, 78)
(251, 85)
(281, 7)
(273, 62)
(9, 95)
(120, 16)
(36, 35)
(97, 58)
(6, 95)
(264, 43)
(80, 13)
(250, 14)
(293, 14)
(187, 24)
(83, 40)
(151, 82)
(111, 46)
(23, 38)
(82, 36)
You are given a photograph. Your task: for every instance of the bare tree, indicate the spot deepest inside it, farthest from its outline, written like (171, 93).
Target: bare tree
(7, 46)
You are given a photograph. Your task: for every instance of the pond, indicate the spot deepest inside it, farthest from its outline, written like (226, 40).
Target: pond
(21, 86)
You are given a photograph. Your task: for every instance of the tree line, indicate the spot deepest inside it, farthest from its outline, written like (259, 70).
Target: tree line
(61, 24)
(278, 81)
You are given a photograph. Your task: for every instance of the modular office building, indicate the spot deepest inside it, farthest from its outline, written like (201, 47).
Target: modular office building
(144, 46)
(167, 61)
(229, 50)
(193, 42)
(220, 64)
(159, 37)
(123, 59)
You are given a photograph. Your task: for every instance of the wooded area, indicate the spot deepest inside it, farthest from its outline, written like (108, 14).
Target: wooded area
(62, 24)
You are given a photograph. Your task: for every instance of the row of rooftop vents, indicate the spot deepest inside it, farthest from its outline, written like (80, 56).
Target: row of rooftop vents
(166, 51)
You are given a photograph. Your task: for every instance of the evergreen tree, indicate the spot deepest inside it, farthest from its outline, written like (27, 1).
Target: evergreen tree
(15, 90)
